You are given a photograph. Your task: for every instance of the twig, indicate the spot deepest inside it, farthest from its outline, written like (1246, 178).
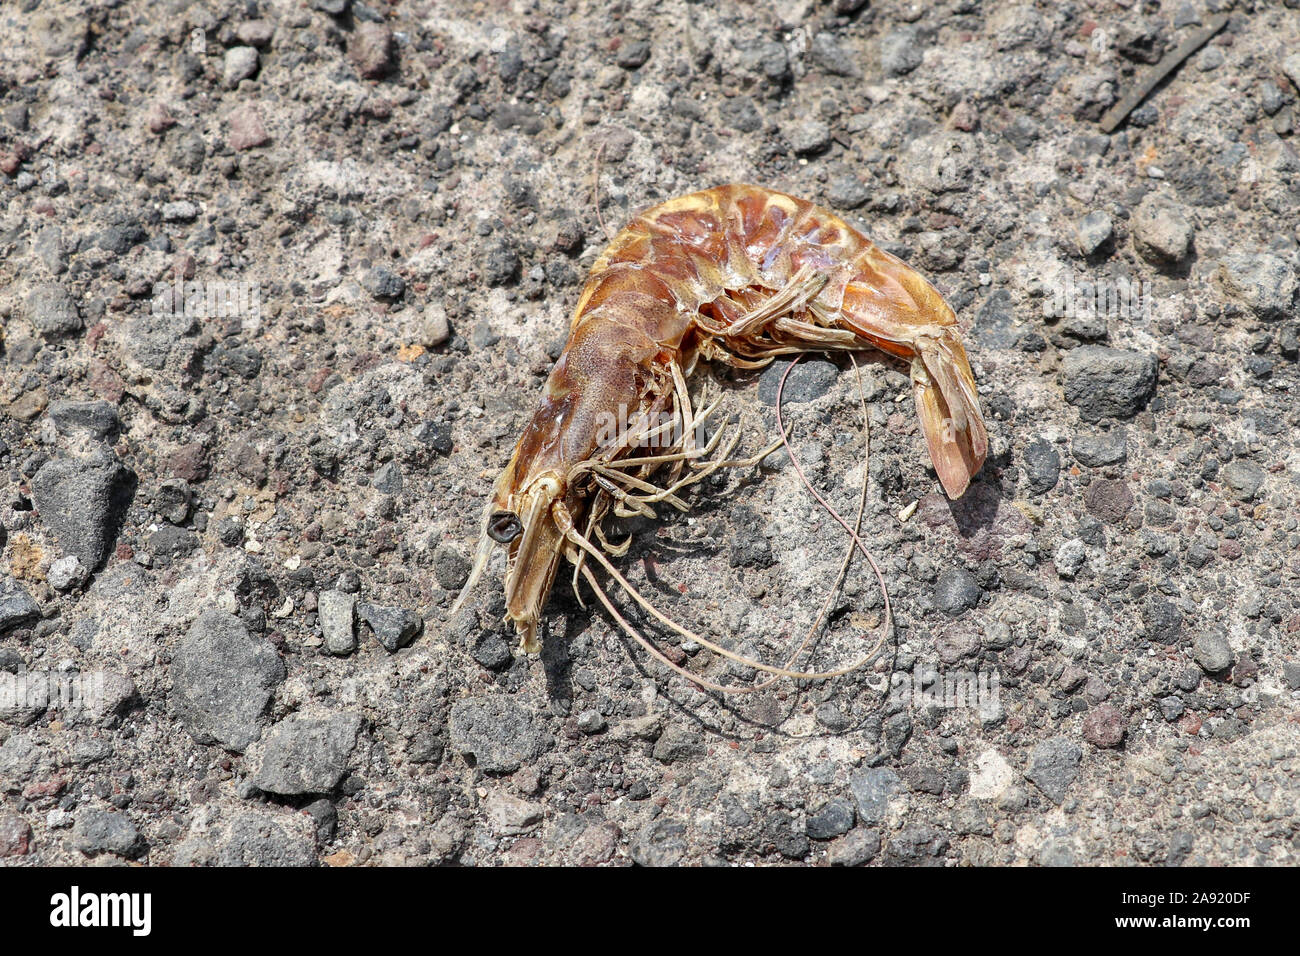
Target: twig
(1170, 62)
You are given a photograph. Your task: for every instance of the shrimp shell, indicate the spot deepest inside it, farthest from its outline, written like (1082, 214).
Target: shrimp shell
(737, 274)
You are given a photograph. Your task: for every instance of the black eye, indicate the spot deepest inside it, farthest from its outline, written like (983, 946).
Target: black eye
(504, 527)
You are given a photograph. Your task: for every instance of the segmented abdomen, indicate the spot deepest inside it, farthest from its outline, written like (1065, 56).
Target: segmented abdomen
(698, 250)
(715, 253)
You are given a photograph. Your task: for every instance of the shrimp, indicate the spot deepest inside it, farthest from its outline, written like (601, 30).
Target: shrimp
(736, 274)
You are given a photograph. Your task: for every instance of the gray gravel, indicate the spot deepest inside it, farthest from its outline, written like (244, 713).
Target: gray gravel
(52, 311)
(393, 627)
(302, 755)
(1054, 766)
(337, 614)
(223, 679)
(1105, 383)
(1094, 231)
(1212, 651)
(498, 733)
(102, 831)
(872, 791)
(16, 606)
(83, 502)
(1162, 233)
(280, 284)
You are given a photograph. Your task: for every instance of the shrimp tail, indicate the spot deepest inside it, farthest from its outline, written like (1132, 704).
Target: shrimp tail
(947, 405)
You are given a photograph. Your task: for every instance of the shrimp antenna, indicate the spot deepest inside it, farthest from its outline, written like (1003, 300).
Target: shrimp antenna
(785, 670)
(485, 548)
(595, 190)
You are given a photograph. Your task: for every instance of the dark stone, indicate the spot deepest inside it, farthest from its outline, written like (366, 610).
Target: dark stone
(96, 419)
(925, 779)
(1137, 40)
(1262, 281)
(52, 311)
(450, 568)
(250, 838)
(591, 722)
(918, 843)
(1100, 449)
(782, 831)
(661, 843)
(223, 680)
(995, 322)
(1212, 650)
(1180, 848)
(103, 831)
(632, 54)
(1042, 466)
(388, 479)
(957, 591)
(1107, 383)
(15, 835)
(230, 530)
(872, 789)
(1093, 231)
(84, 501)
(1163, 621)
(173, 500)
(384, 283)
(244, 361)
(834, 57)
(17, 608)
(307, 756)
(436, 435)
(833, 819)
(810, 379)
(678, 743)
(741, 115)
(901, 51)
(1161, 231)
(1245, 478)
(326, 818)
(394, 627)
(847, 192)
(766, 57)
(172, 541)
(855, 849)
(490, 650)
(1291, 675)
(1104, 726)
(122, 232)
(1053, 767)
(897, 731)
(1108, 500)
(500, 265)
(425, 747)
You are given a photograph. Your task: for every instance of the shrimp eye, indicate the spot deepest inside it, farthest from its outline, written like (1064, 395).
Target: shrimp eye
(504, 527)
